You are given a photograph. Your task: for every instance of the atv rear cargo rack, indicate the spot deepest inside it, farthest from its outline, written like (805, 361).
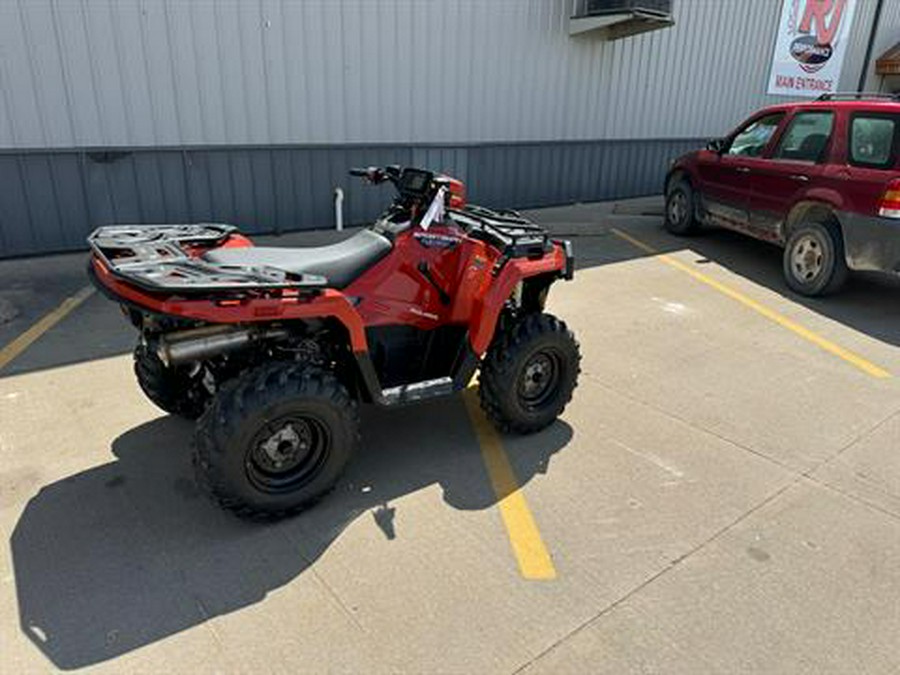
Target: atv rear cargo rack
(155, 258)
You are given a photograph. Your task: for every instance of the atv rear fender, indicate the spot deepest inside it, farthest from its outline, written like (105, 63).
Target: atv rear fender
(288, 306)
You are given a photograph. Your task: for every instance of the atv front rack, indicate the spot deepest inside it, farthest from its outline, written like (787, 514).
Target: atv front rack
(508, 230)
(158, 258)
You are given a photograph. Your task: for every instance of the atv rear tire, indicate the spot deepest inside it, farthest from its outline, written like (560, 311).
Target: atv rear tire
(275, 440)
(529, 374)
(174, 390)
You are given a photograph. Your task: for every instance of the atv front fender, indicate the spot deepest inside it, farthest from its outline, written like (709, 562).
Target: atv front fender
(484, 322)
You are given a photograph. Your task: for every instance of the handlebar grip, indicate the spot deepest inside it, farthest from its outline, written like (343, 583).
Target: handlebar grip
(359, 172)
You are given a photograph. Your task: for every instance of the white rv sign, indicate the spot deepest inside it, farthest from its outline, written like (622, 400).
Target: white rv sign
(813, 37)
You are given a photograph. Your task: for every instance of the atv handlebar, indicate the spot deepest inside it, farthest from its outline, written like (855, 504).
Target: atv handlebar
(416, 188)
(375, 174)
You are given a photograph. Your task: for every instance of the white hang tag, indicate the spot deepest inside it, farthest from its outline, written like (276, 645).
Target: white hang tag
(435, 212)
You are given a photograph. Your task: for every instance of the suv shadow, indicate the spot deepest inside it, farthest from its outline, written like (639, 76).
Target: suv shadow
(868, 303)
(129, 553)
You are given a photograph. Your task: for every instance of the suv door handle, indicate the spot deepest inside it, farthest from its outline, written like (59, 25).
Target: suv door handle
(742, 169)
(799, 177)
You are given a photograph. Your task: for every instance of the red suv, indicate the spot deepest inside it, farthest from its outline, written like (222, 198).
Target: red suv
(821, 179)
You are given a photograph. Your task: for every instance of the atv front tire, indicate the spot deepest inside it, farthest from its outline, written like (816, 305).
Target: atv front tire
(529, 374)
(175, 390)
(275, 440)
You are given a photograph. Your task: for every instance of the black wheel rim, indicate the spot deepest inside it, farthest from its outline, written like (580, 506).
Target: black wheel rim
(287, 453)
(539, 380)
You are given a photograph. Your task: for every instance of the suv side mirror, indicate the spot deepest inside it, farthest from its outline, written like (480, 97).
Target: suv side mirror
(716, 145)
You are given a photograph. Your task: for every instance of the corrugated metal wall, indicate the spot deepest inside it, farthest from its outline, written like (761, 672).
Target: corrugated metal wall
(50, 201)
(81, 73)
(887, 35)
(217, 104)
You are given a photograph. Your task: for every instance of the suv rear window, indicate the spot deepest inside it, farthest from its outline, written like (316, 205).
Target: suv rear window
(806, 137)
(872, 140)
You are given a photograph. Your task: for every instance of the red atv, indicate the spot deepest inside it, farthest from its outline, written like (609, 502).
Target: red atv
(272, 348)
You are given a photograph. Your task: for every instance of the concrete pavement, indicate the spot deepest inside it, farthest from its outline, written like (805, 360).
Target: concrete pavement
(722, 496)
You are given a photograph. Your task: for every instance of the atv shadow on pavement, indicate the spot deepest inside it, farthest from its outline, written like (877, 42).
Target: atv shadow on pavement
(128, 553)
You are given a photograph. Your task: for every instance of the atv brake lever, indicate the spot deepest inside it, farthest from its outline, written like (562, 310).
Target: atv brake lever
(425, 272)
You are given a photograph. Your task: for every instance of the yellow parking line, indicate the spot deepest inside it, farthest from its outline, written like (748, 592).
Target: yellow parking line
(26, 339)
(850, 357)
(524, 537)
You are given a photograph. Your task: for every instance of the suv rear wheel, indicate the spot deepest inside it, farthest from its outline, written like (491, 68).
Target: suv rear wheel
(814, 261)
(680, 218)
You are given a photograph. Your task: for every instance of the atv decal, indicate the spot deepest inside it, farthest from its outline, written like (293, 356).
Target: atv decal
(437, 240)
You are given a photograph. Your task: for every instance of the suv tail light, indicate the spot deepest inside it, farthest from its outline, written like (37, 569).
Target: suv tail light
(889, 204)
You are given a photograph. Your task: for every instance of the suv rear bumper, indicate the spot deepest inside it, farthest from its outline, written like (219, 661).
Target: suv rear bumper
(871, 243)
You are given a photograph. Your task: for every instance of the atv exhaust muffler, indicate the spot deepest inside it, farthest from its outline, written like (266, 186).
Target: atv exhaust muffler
(199, 344)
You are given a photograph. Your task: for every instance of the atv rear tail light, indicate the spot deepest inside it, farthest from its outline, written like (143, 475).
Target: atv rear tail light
(889, 204)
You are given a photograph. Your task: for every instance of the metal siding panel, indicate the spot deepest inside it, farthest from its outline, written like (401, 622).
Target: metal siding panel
(856, 45)
(234, 102)
(204, 42)
(127, 19)
(294, 72)
(333, 85)
(147, 175)
(263, 189)
(160, 72)
(253, 73)
(178, 42)
(319, 184)
(351, 56)
(274, 67)
(75, 218)
(37, 74)
(18, 235)
(314, 64)
(100, 202)
(245, 215)
(283, 188)
(886, 37)
(303, 169)
(124, 190)
(108, 85)
(199, 190)
(222, 190)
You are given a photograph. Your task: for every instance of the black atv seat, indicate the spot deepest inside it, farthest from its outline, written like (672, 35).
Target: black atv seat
(340, 263)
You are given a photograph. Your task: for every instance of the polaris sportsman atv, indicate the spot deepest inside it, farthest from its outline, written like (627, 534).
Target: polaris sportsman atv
(273, 348)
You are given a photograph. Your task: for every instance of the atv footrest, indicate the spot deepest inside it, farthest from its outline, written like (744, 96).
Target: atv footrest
(419, 391)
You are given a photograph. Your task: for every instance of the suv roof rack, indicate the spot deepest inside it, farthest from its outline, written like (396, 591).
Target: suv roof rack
(856, 95)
